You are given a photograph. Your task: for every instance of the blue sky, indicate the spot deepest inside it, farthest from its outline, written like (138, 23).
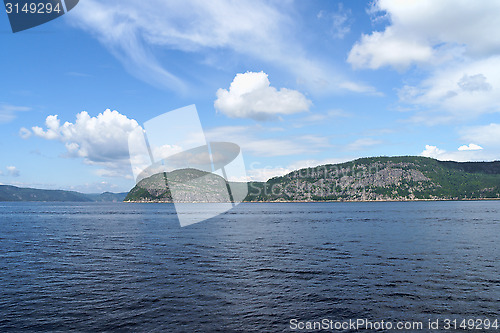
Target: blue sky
(294, 83)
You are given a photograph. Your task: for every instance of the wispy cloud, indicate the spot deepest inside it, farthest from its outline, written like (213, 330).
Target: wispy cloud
(9, 112)
(251, 140)
(340, 21)
(78, 74)
(485, 135)
(259, 30)
(362, 144)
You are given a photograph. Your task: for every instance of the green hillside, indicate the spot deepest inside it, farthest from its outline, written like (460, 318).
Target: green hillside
(384, 178)
(377, 178)
(190, 185)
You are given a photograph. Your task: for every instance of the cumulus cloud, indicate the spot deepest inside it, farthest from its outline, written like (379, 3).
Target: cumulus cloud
(470, 147)
(432, 151)
(382, 49)
(9, 112)
(419, 31)
(454, 46)
(251, 96)
(461, 155)
(100, 140)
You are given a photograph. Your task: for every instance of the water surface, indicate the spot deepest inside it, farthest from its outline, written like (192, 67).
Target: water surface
(130, 267)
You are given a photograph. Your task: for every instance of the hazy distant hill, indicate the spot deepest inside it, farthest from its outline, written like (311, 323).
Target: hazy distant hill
(13, 193)
(377, 178)
(107, 197)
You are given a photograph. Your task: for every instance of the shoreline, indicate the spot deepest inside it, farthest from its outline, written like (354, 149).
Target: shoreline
(320, 201)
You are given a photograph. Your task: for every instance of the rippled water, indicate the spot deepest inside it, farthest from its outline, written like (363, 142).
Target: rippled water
(130, 267)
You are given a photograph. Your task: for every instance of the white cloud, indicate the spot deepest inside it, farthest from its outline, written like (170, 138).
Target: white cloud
(453, 44)
(25, 133)
(362, 144)
(262, 30)
(251, 96)
(262, 174)
(474, 83)
(462, 155)
(487, 135)
(13, 171)
(251, 141)
(429, 31)
(9, 112)
(340, 21)
(316, 118)
(458, 93)
(53, 128)
(382, 49)
(432, 151)
(314, 163)
(128, 27)
(101, 140)
(470, 147)
(359, 88)
(460, 55)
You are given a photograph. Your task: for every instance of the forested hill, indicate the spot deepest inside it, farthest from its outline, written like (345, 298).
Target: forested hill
(13, 193)
(377, 178)
(385, 178)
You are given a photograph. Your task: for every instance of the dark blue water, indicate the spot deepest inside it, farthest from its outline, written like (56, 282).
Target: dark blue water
(130, 267)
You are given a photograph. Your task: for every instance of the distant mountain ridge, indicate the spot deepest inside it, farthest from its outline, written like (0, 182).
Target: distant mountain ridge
(366, 179)
(14, 193)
